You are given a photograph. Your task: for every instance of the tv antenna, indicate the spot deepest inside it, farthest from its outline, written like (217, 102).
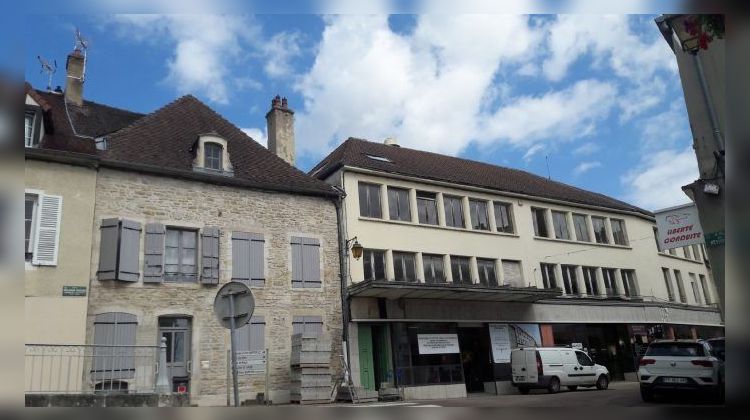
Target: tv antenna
(48, 68)
(549, 176)
(81, 45)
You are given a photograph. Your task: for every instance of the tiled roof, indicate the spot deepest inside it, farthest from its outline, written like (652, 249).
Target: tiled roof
(420, 164)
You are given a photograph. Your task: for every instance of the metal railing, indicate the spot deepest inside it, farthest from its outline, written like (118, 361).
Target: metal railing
(61, 368)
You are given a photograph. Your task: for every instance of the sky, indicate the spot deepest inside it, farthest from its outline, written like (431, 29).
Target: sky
(590, 100)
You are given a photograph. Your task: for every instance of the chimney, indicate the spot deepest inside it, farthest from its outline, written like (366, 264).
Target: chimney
(74, 80)
(280, 120)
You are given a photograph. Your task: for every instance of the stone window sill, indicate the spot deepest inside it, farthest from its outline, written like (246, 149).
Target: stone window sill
(428, 226)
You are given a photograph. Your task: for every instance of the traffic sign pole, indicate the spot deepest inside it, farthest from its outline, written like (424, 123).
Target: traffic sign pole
(234, 350)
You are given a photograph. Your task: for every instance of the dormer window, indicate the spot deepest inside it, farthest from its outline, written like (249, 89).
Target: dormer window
(213, 156)
(30, 137)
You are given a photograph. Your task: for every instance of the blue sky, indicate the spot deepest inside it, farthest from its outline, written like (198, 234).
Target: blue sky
(599, 96)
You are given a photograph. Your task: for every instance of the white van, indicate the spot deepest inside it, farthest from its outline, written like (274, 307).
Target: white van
(553, 367)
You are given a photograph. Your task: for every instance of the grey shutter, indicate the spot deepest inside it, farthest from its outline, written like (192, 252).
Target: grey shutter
(240, 251)
(153, 261)
(307, 324)
(114, 329)
(108, 249)
(251, 337)
(311, 262)
(297, 266)
(130, 246)
(47, 230)
(210, 250)
(257, 260)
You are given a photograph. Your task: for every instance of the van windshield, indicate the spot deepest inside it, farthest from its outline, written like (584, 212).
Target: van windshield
(676, 349)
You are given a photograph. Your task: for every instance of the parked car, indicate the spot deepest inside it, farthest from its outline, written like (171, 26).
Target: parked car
(552, 367)
(680, 366)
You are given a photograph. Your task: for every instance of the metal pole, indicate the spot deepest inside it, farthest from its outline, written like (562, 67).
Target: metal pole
(229, 368)
(234, 354)
(265, 395)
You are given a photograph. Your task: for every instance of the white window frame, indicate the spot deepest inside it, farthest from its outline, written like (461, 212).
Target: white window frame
(29, 140)
(37, 194)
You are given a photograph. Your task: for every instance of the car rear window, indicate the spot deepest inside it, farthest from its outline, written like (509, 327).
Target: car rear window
(675, 349)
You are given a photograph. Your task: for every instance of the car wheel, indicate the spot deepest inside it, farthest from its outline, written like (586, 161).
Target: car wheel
(602, 383)
(572, 388)
(647, 395)
(523, 390)
(554, 386)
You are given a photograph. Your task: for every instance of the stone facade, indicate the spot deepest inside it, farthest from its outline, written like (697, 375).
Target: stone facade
(278, 216)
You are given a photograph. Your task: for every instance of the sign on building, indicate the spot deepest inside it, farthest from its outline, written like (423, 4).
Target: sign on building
(438, 343)
(678, 226)
(500, 342)
(251, 362)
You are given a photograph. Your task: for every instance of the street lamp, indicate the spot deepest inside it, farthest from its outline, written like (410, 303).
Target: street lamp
(356, 248)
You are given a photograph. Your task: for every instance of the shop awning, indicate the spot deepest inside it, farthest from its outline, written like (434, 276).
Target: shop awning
(398, 290)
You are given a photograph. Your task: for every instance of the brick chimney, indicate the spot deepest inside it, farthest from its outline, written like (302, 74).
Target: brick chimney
(74, 80)
(280, 121)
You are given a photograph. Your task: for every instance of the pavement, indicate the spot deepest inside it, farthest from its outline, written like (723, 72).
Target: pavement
(619, 394)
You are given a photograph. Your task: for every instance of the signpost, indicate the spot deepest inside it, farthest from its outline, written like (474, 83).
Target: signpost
(678, 226)
(251, 362)
(233, 306)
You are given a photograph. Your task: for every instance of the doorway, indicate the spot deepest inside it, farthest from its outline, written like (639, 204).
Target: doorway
(375, 368)
(177, 331)
(476, 357)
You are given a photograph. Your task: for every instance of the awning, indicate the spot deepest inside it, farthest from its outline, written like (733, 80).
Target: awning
(397, 290)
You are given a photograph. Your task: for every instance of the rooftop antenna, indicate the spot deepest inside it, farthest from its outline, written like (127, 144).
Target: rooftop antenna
(48, 68)
(81, 44)
(546, 157)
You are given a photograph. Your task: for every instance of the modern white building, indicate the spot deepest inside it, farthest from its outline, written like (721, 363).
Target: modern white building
(463, 260)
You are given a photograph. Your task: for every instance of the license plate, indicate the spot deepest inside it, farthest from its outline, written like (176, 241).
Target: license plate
(675, 380)
(520, 378)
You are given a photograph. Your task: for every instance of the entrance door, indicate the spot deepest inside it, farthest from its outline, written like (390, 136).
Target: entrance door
(177, 332)
(366, 366)
(475, 357)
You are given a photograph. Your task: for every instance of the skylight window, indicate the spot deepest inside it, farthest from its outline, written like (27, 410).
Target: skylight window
(379, 158)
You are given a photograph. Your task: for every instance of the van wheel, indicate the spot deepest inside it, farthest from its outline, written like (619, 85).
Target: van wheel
(554, 386)
(602, 383)
(523, 390)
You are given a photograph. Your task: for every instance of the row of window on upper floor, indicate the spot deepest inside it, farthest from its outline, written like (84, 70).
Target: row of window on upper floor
(705, 299)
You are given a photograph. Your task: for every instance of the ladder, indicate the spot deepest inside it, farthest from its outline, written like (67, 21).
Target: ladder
(344, 380)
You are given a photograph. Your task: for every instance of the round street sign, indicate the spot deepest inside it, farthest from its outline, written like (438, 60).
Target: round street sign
(244, 304)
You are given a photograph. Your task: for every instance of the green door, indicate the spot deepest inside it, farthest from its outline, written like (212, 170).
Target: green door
(366, 369)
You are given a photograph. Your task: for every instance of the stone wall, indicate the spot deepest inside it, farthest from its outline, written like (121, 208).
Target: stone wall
(279, 216)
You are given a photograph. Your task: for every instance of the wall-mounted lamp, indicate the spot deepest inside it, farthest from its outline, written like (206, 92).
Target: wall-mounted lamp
(356, 247)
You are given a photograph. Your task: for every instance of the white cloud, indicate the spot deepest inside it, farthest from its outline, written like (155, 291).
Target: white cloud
(584, 167)
(279, 51)
(665, 129)
(656, 181)
(532, 151)
(260, 136)
(587, 149)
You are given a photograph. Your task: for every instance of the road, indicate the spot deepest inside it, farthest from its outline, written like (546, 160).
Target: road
(619, 394)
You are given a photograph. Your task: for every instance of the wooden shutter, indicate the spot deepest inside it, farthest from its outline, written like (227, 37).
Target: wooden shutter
(257, 260)
(297, 266)
(108, 249)
(311, 263)
(114, 329)
(153, 261)
(210, 251)
(240, 262)
(47, 241)
(130, 246)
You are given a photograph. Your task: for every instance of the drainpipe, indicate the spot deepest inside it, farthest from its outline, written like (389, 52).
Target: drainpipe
(343, 272)
(709, 103)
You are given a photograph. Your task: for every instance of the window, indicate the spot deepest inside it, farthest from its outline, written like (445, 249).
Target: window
(696, 252)
(213, 156)
(609, 281)
(704, 286)
(30, 220)
(618, 232)
(548, 276)
(668, 282)
(503, 217)
(404, 267)
(696, 291)
(252, 336)
(433, 268)
(512, 275)
(305, 263)
(181, 253)
(590, 282)
(454, 213)
(398, 204)
(581, 228)
(110, 361)
(570, 282)
(687, 253)
(30, 137)
(656, 239)
(560, 223)
(629, 283)
(307, 324)
(584, 359)
(672, 252)
(369, 200)
(540, 222)
(374, 264)
(427, 208)
(486, 271)
(680, 286)
(600, 230)
(460, 270)
(479, 220)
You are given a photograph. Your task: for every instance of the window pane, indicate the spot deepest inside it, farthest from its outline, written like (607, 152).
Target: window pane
(486, 270)
(479, 214)
(404, 267)
(618, 232)
(600, 230)
(427, 208)
(569, 280)
(453, 212)
(503, 218)
(369, 200)
(582, 230)
(540, 222)
(379, 261)
(398, 204)
(548, 276)
(367, 263)
(560, 224)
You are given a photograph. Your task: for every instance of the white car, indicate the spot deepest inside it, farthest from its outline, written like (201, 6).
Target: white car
(679, 366)
(552, 367)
